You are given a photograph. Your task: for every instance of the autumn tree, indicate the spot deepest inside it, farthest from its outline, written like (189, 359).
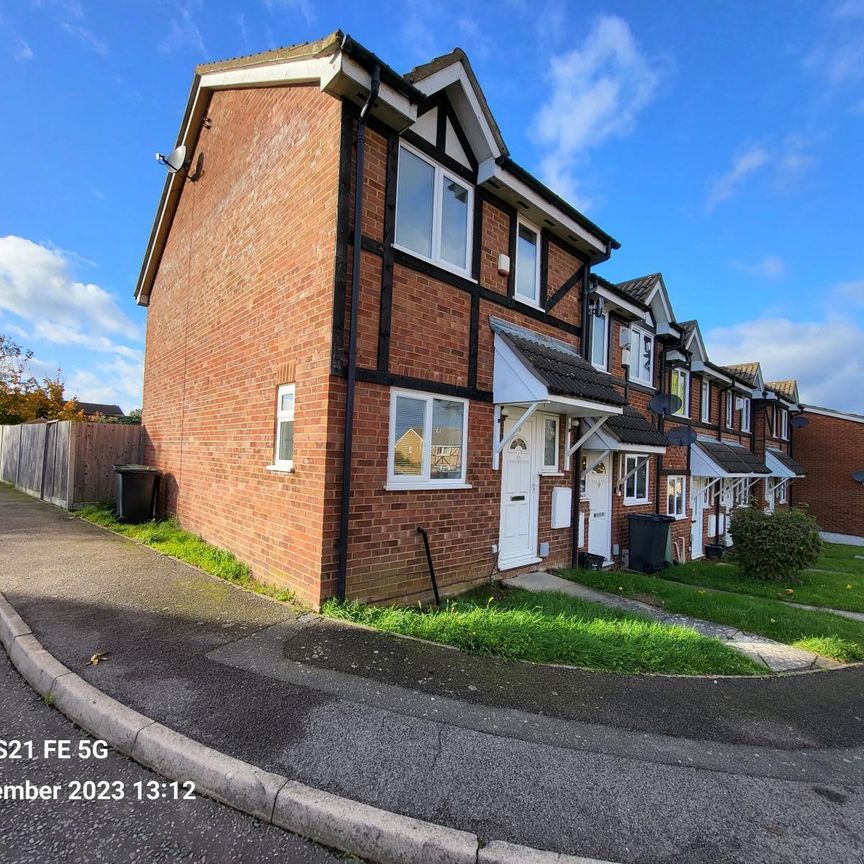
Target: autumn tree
(22, 398)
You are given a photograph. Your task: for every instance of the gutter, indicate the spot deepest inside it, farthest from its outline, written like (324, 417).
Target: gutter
(351, 376)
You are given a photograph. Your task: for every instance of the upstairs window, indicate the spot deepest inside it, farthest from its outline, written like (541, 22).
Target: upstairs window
(284, 455)
(641, 356)
(527, 264)
(428, 437)
(744, 408)
(680, 387)
(784, 424)
(705, 404)
(598, 341)
(433, 212)
(730, 409)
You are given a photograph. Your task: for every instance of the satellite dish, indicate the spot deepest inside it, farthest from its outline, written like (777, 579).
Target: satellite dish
(664, 404)
(680, 436)
(858, 476)
(175, 160)
(798, 422)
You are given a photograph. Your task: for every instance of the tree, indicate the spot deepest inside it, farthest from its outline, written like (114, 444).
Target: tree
(22, 398)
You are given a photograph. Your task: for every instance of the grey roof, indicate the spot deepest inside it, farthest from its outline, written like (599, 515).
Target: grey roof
(631, 427)
(734, 460)
(788, 462)
(639, 288)
(561, 368)
(91, 408)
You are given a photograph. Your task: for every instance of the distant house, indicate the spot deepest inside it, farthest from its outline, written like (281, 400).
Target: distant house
(96, 409)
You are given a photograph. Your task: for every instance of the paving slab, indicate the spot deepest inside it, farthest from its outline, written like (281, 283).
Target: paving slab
(775, 656)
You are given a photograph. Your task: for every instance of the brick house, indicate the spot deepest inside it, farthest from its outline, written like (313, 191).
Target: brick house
(830, 447)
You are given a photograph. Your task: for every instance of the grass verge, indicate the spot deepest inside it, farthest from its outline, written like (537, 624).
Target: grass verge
(549, 627)
(838, 590)
(838, 638)
(168, 538)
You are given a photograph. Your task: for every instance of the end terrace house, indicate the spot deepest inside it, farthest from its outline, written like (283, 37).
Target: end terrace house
(365, 317)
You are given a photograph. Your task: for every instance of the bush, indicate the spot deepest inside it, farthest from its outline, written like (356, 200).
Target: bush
(775, 546)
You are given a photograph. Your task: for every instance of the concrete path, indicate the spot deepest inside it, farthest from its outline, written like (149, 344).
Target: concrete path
(633, 769)
(775, 656)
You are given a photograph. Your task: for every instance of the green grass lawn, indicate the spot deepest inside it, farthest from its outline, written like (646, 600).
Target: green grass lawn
(837, 589)
(842, 558)
(822, 632)
(166, 537)
(549, 627)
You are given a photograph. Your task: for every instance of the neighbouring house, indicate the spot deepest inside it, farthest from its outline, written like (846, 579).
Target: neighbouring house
(830, 447)
(96, 409)
(319, 386)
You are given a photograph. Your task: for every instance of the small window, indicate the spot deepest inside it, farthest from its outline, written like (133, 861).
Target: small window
(730, 407)
(636, 485)
(598, 341)
(784, 424)
(705, 404)
(676, 501)
(284, 455)
(427, 440)
(527, 264)
(680, 387)
(744, 409)
(641, 356)
(550, 443)
(433, 212)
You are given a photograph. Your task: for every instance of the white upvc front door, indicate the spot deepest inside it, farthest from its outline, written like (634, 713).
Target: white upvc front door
(598, 494)
(520, 488)
(697, 529)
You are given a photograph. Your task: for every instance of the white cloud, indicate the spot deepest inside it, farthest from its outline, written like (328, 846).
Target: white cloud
(37, 285)
(850, 292)
(769, 267)
(304, 8)
(837, 54)
(71, 17)
(183, 33)
(724, 187)
(116, 382)
(597, 92)
(21, 49)
(825, 356)
(88, 37)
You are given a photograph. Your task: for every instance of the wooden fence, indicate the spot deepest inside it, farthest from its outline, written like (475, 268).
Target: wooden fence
(69, 464)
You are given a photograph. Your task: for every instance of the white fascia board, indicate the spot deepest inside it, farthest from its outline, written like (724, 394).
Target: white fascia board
(619, 301)
(696, 336)
(665, 305)
(489, 169)
(778, 469)
(319, 70)
(452, 74)
(703, 369)
(666, 328)
(829, 412)
(512, 380)
(583, 407)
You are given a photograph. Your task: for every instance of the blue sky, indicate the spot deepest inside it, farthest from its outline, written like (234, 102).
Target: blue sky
(721, 143)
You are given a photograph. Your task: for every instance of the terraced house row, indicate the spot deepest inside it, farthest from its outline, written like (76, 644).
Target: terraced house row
(365, 318)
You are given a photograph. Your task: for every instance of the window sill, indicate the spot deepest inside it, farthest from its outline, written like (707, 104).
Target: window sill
(279, 469)
(527, 301)
(444, 265)
(552, 474)
(641, 502)
(424, 486)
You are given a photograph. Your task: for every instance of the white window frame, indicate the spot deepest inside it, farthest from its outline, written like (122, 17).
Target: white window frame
(636, 338)
(551, 468)
(441, 174)
(605, 364)
(730, 409)
(781, 492)
(684, 410)
(529, 301)
(635, 458)
(784, 424)
(282, 417)
(745, 414)
(424, 480)
(680, 496)
(705, 403)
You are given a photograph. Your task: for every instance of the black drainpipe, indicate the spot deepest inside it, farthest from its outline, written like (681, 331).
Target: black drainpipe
(351, 377)
(585, 350)
(661, 426)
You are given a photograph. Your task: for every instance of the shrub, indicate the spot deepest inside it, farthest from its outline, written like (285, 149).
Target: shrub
(775, 546)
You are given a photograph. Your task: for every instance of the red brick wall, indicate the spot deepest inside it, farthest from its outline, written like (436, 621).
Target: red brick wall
(830, 449)
(242, 303)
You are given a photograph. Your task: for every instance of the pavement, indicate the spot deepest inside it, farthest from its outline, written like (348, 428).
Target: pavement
(160, 830)
(772, 655)
(629, 769)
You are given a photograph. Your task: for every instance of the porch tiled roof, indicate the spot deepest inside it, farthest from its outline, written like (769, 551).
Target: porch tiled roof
(734, 460)
(631, 427)
(561, 368)
(788, 462)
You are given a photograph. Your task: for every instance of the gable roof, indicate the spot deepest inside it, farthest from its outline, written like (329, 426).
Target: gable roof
(631, 427)
(558, 365)
(745, 371)
(788, 389)
(639, 288)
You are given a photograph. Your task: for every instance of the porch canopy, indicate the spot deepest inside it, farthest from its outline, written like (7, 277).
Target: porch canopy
(782, 466)
(723, 460)
(536, 371)
(629, 432)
